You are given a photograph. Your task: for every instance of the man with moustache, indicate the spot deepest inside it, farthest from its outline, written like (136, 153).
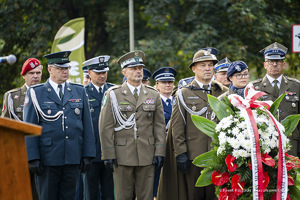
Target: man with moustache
(132, 131)
(67, 143)
(221, 69)
(185, 141)
(275, 83)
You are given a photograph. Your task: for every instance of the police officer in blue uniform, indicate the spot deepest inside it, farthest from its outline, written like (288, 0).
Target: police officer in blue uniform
(164, 79)
(98, 178)
(67, 143)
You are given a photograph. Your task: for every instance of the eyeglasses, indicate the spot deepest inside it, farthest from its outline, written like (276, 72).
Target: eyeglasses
(272, 62)
(62, 68)
(239, 76)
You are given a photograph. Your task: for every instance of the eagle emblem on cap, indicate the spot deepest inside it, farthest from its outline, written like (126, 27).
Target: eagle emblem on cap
(205, 53)
(101, 59)
(209, 50)
(32, 65)
(66, 54)
(238, 68)
(136, 54)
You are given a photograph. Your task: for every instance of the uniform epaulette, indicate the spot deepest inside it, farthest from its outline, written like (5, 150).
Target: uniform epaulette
(76, 84)
(292, 79)
(37, 85)
(256, 81)
(110, 84)
(150, 87)
(14, 90)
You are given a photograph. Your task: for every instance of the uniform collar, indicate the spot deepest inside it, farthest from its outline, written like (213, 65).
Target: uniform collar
(201, 84)
(55, 85)
(271, 79)
(132, 88)
(97, 87)
(165, 98)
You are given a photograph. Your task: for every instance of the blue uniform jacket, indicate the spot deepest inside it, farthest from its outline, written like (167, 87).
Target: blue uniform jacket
(57, 146)
(95, 100)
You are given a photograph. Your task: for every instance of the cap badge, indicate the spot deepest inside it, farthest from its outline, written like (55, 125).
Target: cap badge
(275, 45)
(205, 53)
(32, 65)
(238, 68)
(66, 54)
(136, 54)
(209, 49)
(101, 59)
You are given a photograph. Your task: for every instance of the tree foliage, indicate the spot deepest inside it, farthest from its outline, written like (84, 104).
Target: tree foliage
(168, 31)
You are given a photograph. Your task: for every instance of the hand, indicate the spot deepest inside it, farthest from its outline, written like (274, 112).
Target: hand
(183, 162)
(85, 164)
(109, 164)
(36, 167)
(158, 161)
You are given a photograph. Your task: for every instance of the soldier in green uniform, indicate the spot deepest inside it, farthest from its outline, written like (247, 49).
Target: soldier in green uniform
(14, 99)
(132, 131)
(275, 83)
(186, 140)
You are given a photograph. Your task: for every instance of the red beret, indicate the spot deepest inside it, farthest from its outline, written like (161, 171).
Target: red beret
(30, 64)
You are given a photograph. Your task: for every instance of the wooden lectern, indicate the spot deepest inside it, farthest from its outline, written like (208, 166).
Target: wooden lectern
(14, 171)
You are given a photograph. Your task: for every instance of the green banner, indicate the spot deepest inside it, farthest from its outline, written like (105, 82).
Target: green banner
(70, 37)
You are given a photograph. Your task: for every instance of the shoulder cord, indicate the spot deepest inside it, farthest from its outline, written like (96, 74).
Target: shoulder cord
(180, 98)
(39, 110)
(10, 108)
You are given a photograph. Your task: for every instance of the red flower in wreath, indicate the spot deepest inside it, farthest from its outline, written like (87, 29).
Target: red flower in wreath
(219, 179)
(268, 160)
(250, 165)
(289, 165)
(290, 180)
(294, 160)
(266, 180)
(237, 185)
(229, 162)
(225, 194)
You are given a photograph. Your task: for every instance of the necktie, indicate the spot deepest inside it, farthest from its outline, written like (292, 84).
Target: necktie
(61, 95)
(100, 94)
(206, 88)
(276, 89)
(136, 96)
(169, 103)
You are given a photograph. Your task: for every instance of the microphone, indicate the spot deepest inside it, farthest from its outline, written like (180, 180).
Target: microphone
(11, 59)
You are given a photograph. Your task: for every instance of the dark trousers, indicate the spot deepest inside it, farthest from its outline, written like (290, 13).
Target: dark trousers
(98, 181)
(57, 182)
(197, 193)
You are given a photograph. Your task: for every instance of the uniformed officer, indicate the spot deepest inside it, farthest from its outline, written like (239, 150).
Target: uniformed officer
(86, 76)
(67, 142)
(185, 138)
(146, 77)
(275, 83)
(164, 82)
(13, 103)
(98, 178)
(132, 131)
(14, 99)
(238, 74)
(185, 81)
(221, 71)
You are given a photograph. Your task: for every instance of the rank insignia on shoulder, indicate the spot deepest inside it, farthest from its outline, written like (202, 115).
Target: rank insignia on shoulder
(257, 87)
(104, 101)
(149, 101)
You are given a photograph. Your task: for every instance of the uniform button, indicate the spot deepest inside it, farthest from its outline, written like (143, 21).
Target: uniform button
(65, 117)
(64, 108)
(67, 137)
(67, 127)
(136, 119)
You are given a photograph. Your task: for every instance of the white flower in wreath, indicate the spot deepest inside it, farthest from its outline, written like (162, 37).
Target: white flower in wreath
(235, 131)
(234, 143)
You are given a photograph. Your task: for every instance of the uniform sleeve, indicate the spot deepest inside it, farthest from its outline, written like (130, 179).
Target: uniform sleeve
(159, 129)
(106, 129)
(178, 128)
(89, 148)
(30, 116)
(5, 112)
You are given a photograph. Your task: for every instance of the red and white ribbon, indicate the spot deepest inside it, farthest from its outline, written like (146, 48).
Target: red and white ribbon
(245, 105)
